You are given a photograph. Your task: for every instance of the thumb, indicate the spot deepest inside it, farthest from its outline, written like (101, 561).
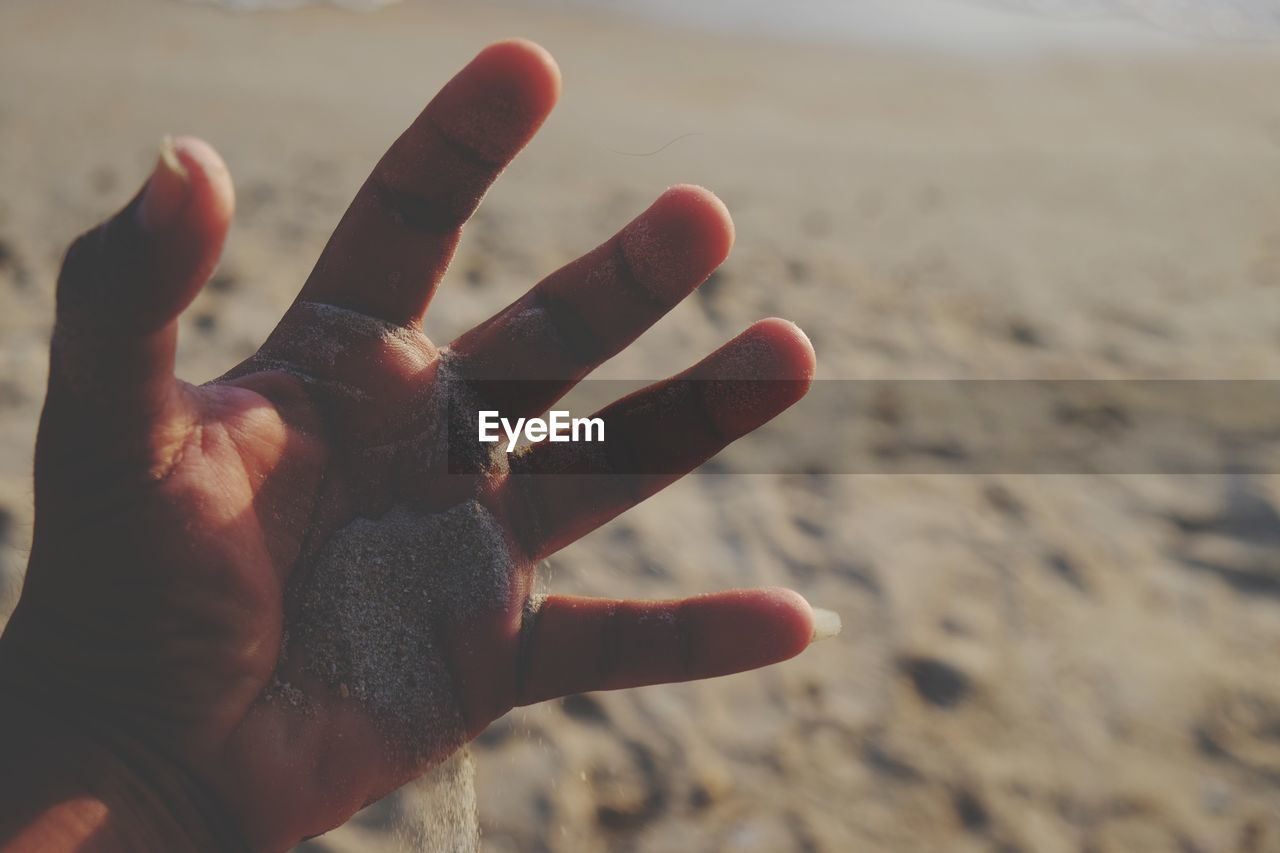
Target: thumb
(121, 289)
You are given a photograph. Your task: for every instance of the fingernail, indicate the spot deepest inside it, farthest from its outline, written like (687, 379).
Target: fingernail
(826, 624)
(166, 192)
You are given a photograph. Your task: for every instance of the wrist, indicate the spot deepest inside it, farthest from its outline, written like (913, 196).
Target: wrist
(78, 785)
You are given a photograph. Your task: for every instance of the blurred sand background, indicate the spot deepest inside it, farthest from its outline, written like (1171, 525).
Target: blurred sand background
(1029, 663)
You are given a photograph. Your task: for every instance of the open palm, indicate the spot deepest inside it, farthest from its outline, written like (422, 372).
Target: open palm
(306, 582)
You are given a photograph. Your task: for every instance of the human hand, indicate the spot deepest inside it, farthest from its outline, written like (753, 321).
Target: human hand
(261, 603)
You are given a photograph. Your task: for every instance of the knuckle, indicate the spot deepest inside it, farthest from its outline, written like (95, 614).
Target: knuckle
(81, 272)
(432, 213)
(97, 265)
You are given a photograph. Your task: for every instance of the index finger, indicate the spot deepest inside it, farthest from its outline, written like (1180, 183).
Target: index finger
(391, 248)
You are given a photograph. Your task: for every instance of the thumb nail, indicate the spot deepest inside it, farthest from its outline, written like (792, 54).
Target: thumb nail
(826, 624)
(166, 192)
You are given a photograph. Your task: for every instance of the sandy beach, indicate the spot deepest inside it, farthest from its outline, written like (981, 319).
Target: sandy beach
(1028, 663)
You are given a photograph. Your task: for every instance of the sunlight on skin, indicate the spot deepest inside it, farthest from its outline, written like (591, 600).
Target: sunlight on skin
(181, 531)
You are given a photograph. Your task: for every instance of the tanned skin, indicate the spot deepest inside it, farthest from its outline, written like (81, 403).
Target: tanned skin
(170, 518)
